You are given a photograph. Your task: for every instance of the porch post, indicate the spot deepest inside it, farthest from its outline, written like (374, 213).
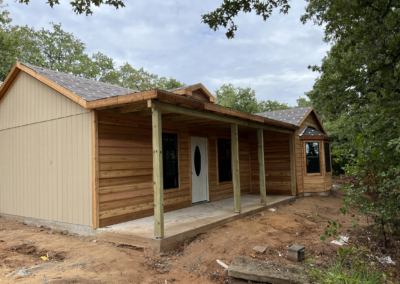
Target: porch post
(235, 166)
(261, 166)
(158, 185)
(292, 164)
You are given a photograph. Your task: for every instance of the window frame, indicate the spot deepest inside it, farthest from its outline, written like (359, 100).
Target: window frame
(218, 161)
(173, 189)
(330, 157)
(321, 161)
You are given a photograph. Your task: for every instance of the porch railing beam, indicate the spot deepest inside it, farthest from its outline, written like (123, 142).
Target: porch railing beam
(208, 115)
(261, 165)
(158, 182)
(235, 166)
(292, 164)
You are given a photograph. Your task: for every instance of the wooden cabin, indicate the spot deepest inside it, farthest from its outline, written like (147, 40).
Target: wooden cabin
(78, 151)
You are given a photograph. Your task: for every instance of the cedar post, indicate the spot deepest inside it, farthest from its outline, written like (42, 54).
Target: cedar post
(261, 166)
(292, 164)
(158, 185)
(235, 166)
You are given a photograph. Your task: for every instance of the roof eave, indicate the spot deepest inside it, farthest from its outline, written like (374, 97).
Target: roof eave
(173, 98)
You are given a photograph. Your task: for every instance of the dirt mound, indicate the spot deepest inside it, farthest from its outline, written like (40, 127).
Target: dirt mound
(24, 249)
(32, 250)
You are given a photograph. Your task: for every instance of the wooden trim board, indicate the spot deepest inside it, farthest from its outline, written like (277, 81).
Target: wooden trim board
(95, 171)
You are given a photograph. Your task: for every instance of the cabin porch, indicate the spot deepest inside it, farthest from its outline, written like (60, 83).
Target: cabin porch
(188, 222)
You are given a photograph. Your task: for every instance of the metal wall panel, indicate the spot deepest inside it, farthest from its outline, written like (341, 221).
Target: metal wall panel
(45, 155)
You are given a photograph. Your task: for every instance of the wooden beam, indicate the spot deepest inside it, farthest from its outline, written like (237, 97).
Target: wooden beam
(95, 170)
(213, 116)
(158, 174)
(235, 166)
(292, 164)
(261, 166)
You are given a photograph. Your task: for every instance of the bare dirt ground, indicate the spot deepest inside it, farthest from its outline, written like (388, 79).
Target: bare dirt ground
(76, 259)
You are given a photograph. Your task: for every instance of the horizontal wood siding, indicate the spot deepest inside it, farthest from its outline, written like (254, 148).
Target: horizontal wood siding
(277, 162)
(45, 154)
(125, 163)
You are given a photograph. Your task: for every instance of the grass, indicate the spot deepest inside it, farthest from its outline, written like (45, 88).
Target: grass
(340, 273)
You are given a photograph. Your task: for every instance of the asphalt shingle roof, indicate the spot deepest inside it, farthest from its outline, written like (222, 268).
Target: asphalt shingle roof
(309, 131)
(292, 116)
(87, 89)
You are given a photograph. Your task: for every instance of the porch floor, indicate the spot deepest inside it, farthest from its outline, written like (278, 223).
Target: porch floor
(196, 218)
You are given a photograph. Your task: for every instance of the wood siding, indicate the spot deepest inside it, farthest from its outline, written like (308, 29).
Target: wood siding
(45, 152)
(125, 163)
(277, 162)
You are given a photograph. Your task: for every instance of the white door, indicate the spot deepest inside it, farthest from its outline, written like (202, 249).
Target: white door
(199, 169)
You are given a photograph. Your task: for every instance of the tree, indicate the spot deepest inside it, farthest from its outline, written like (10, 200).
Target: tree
(59, 50)
(84, 6)
(244, 99)
(229, 9)
(129, 77)
(303, 102)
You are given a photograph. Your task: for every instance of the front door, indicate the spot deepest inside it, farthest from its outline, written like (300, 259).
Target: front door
(199, 169)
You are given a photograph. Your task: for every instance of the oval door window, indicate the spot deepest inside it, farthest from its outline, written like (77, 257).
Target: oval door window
(197, 160)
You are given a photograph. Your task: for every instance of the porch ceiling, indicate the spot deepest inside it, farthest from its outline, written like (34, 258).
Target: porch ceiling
(142, 109)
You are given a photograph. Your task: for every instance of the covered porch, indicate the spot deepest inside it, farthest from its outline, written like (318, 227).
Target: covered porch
(190, 221)
(128, 166)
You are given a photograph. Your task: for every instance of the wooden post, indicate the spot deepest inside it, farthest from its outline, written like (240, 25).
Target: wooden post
(95, 171)
(261, 166)
(235, 166)
(158, 185)
(292, 164)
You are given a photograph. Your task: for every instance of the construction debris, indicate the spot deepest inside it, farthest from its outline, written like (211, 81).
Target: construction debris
(249, 269)
(222, 264)
(296, 253)
(260, 249)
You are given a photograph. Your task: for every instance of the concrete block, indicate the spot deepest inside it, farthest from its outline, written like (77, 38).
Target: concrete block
(254, 270)
(296, 253)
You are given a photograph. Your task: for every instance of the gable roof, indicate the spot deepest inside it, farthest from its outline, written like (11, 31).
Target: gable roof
(188, 91)
(91, 94)
(293, 116)
(310, 131)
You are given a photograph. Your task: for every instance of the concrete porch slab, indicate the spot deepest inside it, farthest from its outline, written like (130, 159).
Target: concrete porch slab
(187, 222)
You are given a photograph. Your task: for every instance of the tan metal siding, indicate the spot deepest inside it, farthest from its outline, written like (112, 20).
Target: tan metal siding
(30, 101)
(45, 155)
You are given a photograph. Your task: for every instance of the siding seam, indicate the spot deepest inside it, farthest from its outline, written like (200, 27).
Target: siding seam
(44, 121)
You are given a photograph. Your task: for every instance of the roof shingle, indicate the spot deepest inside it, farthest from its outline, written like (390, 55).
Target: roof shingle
(87, 89)
(292, 116)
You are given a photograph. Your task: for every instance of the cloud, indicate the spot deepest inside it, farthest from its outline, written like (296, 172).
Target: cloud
(168, 38)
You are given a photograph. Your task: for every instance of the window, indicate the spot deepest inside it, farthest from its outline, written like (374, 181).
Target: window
(312, 157)
(170, 160)
(224, 160)
(327, 158)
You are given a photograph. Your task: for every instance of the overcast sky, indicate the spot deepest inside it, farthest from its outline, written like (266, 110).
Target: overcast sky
(167, 38)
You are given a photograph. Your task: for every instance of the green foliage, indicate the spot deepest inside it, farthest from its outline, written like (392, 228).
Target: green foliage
(223, 16)
(244, 99)
(129, 77)
(339, 272)
(84, 6)
(331, 230)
